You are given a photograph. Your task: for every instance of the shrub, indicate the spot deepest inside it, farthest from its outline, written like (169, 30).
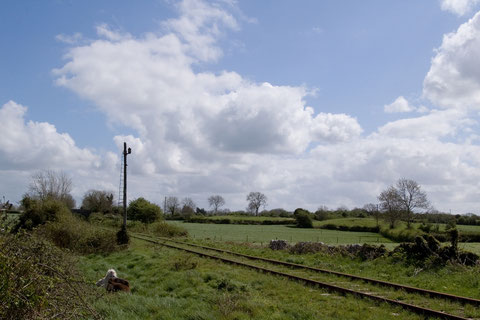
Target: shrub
(39, 281)
(278, 244)
(427, 252)
(38, 212)
(79, 236)
(98, 201)
(164, 229)
(144, 211)
(303, 218)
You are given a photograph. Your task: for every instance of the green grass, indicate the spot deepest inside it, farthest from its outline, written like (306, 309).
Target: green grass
(465, 229)
(252, 218)
(169, 284)
(400, 225)
(263, 234)
(349, 222)
(453, 278)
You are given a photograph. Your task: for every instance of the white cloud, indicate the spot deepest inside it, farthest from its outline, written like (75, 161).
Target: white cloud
(149, 84)
(69, 39)
(28, 146)
(453, 80)
(436, 125)
(399, 105)
(459, 7)
(200, 133)
(31, 145)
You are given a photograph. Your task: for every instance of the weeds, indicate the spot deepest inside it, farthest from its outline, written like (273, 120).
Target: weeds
(77, 235)
(184, 262)
(39, 281)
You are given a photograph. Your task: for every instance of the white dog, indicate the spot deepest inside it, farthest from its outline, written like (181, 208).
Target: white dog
(104, 282)
(112, 283)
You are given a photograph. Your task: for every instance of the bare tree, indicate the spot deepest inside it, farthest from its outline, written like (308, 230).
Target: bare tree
(49, 184)
(216, 201)
(188, 207)
(172, 205)
(390, 204)
(188, 202)
(411, 198)
(255, 201)
(372, 209)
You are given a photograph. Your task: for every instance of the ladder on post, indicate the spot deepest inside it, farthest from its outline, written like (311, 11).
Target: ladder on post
(120, 185)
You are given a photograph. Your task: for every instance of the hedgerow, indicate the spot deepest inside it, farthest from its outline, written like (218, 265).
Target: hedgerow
(39, 281)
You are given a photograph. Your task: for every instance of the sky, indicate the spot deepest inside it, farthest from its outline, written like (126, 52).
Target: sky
(313, 103)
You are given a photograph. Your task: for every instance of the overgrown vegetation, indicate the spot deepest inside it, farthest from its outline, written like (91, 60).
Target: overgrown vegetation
(39, 281)
(168, 284)
(158, 228)
(38, 212)
(143, 210)
(54, 221)
(303, 218)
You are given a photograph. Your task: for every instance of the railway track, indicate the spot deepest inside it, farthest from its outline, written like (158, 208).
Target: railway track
(308, 277)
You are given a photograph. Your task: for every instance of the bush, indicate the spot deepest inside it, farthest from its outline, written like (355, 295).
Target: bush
(164, 229)
(303, 218)
(77, 235)
(278, 244)
(39, 281)
(98, 201)
(427, 252)
(144, 211)
(38, 212)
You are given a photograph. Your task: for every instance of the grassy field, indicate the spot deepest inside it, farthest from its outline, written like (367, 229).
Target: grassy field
(263, 234)
(253, 218)
(371, 222)
(168, 284)
(349, 222)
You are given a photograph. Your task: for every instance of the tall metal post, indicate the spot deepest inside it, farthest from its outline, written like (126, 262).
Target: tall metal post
(125, 152)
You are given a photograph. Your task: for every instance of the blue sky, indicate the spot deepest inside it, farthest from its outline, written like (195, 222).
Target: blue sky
(293, 99)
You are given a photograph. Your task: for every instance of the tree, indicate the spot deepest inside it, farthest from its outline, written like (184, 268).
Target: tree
(216, 201)
(143, 210)
(391, 205)
(322, 213)
(255, 201)
(98, 201)
(49, 184)
(372, 209)
(303, 218)
(188, 207)
(172, 205)
(411, 197)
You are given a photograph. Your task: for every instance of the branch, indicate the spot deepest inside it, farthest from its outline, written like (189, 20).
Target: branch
(83, 302)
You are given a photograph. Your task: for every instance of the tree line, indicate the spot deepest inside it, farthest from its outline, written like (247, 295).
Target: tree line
(405, 200)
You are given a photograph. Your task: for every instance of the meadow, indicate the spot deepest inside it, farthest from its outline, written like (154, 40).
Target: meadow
(252, 218)
(262, 234)
(400, 225)
(168, 284)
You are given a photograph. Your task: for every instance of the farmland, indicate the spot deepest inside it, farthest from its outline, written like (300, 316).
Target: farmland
(263, 234)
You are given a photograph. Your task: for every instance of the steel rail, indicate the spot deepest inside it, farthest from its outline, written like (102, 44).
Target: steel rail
(333, 288)
(397, 286)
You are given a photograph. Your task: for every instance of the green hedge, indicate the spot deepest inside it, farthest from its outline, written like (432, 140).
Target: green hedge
(234, 221)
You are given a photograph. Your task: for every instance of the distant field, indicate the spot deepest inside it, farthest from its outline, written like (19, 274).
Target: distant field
(253, 218)
(371, 222)
(263, 234)
(349, 222)
(466, 229)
